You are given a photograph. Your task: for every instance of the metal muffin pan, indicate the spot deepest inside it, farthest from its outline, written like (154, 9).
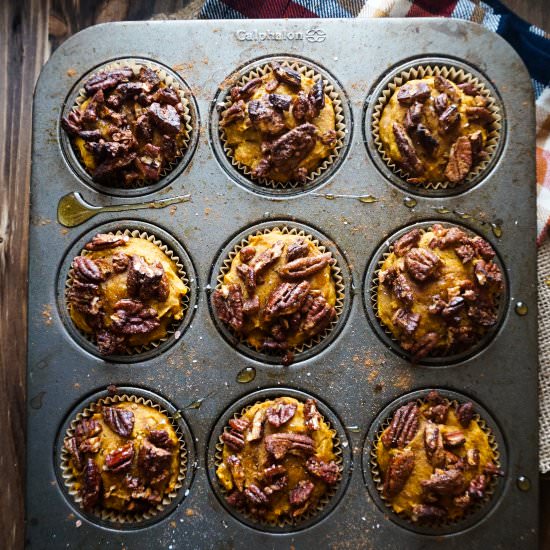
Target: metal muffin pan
(356, 375)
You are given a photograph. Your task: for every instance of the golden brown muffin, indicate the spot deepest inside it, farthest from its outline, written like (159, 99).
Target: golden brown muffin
(435, 130)
(125, 457)
(281, 125)
(278, 459)
(439, 291)
(436, 460)
(130, 127)
(278, 293)
(125, 292)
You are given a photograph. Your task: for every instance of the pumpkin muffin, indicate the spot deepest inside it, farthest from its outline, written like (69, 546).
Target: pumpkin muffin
(435, 130)
(124, 292)
(439, 291)
(278, 460)
(125, 457)
(436, 460)
(129, 128)
(278, 293)
(281, 125)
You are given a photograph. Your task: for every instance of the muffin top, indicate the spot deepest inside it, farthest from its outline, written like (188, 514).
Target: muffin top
(125, 291)
(278, 293)
(125, 457)
(435, 130)
(436, 460)
(278, 459)
(130, 127)
(439, 290)
(281, 125)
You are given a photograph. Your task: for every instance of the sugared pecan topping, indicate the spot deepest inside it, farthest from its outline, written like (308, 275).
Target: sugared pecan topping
(432, 439)
(237, 471)
(465, 413)
(278, 485)
(109, 343)
(445, 482)
(160, 438)
(105, 80)
(424, 345)
(491, 469)
(146, 281)
(478, 487)
(398, 283)
(166, 118)
(153, 461)
(280, 413)
(472, 458)
(120, 459)
(133, 317)
(318, 315)
(88, 270)
(441, 102)
(444, 85)
(301, 493)
(449, 118)
(399, 470)
(90, 445)
(87, 427)
(233, 439)
(437, 413)
(121, 421)
(460, 160)
(406, 320)
(413, 116)
(483, 313)
(329, 472)
(298, 249)
(246, 90)
(469, 88)
(476, 141)
(304, 108)
(247, 253)
(480, 113)
(488, 273)
(454, 439)
(72, 123)
(483, 248)
(236, 499)
(255, 495)
(265, 118)
(446, 460)
(422, 264)
(104, 240)
(228, 304)
(311, 415)
(409, 93)
(447, 237)
(425, 512)
(239, 424)
(91, 488)
(257, 429)
(317, 94)
(84, 297)
(71, 446)
(280, 101)
(403, 427)
(465, 252)
(267, 258)
(120, 262)
(251, 306)
(237, 111)
(286, 299)
(302, 268)
(276, 470)
(279, 444)
(287, 75)
(409, 240)
(409, 159)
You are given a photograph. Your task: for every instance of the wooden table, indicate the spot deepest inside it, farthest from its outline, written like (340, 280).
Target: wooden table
(29, 31)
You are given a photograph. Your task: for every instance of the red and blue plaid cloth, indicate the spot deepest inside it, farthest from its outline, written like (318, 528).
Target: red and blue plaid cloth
(531, 43)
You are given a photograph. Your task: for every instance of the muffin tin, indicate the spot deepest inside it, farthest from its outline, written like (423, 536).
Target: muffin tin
(356, 209)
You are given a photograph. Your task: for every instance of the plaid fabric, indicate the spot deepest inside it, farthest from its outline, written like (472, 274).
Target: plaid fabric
(531, 43)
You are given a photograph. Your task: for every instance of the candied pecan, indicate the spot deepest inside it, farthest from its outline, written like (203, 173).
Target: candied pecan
(166, 95)
(491, 469)
(413, 116)
(160, 438)
(107, 79)
(233, 439)
(297, 249)
(235, 112)
(87, 427)
(90, 135)
(478, 487)
(245, 91)
(329, 472)
(301, 493)
(422, 264)
(399, 470)
(279, 444)
(121, 421)
(446, 460)
(479, 113)
(424, 345)
(425, 512)
(469, 88)
(311, 415)
(248, 276)
(437, 413)
(328, 138)
(273, 471)
(90, 445)
(280, 413)
(432, 439)
(91, 488)
(148, 494)
(409, 158)
(303, 107)
(165, 117)
(465, 413)
(317, 94)
(398, 283)
(304, 267)
(445, 482)
(406, 320)
(454, 439)
(150, 78)
(462, 501)
(146, 281)
(483, 248)
(267, 258)
(287, 75)
(120, 459)
(153, 461)
(229, 306)
(255, 495)
(110, 167)
(265, 118)
(120, 262)
(318, 316)
(237, 471)
(403, 427)
(257, 428)
(441, 102)
(472, 458)
(434, 398)
(251, 306)
(105, 240)
(271, 85)
(426, 138)
(247, 253)
(409, 93)
(444, 85)
(407, 241)
(133, 317)
(488, 273)
(449, 118)
(276, 486)
(71, 446)
(110, 343)
(460, 160)
(465, 252)
(286, 299)
(483, 313)
(72, 123)
(448, 237)
(239, 424)
(84, 297)
(236, 499)
(453, 307)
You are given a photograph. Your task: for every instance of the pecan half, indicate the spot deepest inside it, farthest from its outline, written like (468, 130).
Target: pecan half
(432, 439)
(146, 281)
(160, 438)
(120, 459)
(278, 485)
(287, 75)
(481, 114)
(109, 343)
(422, 264)
(447, 237)
(465, 413)
(301, 493)
(478, 487)
(460, 160)
(239, 424)
(425, 512)
(246, 90)
(84, 297)
(441, 102)
(406, 320)
(465, 252)
(280, 413)
(409, 159)
(469, 88)
(317, 94)
(329, 472)
(311, 415)
(303, 107)
(265, 118)
(280, 101)
(444, 85)
(286, 299)
(413, 116)
(133, 317)
(165, 117)
(318, 315)
(437, 413)
(255, 495)
(297, 249)
(90, 445)
(228, 304)
(251, 306)
(488, 273)
(483, 248)
(121, 421)
(257, 429)
(153, 461)
(276, 470)
(267, 258)
(87, 427)
(233, 439)
(454, 439)
(445, 482)
(403, 427)
(398, 283)
(302, 268)
(247, 253)
(280, 444)
(71, 446)
(105, 80)
(237, 471)
(407, 241)
(91, 488)
(491, 469)
(88, 270)
(399, 470)
(237, 111)
(409, 93)
(104, 240)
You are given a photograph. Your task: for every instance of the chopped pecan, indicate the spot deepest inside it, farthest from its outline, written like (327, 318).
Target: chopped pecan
(267, 258)
(432, 439)
(426, 138)
(133, 317)
(422, 264)
(441, 102)
(287, 298)
(297, 249)
(287, 75)
(121, 421)
(406, 320)
(255, 495)
(399, 470)
(445, 482)
(491, 469)
(153, 461)
(460, 160)
(110, 343)
(413, 116)
(233, 439)
(424, 345)
(317, 94)
(90, 445)
(483, 313)
(265, 118)
(483, 248)
(105, 80)
(465, 413)
(84, 297)
(105, 240)
(472, 458)
(329, 472)
(302, 268)
(237, 471)
(301, 493)
(237, 111)
(304, 108)
(318, 315)
(454, 439)
(425, 512)
(437, 413)
(120, 262)
(165, 117)
(71, 446)
(481, 114)
(239, 424)
(409, 93)
(409, 240)
(247, 253)
(257, 429)
(280, 101)
(403, 427)
(91, 488)
(453, 307)
(87, 427)
(166, 95)
(279, 444)
(147, 494)
(398, 283)
(278, 485)
(409, 159)
(465, 252)
(478, 487)
(311, 415)
(469, 88)
(449, 118)
(146, 281)
(120, 459)
(228, 304)
(251, 306)
(245, 91)
(446, 460)
(280, 413)
(271, 85)
(488, 273)
(444, 85)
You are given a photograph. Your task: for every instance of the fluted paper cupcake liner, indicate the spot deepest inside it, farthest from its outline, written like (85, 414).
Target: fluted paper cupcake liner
(172, 328)
(115, 516)
(458, 76)
(340, 126)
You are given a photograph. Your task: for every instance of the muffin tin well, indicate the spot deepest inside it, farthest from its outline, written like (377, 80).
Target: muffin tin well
(353, 208)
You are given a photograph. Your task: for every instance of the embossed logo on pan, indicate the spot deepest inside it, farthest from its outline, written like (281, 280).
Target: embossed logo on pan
(312, 35)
